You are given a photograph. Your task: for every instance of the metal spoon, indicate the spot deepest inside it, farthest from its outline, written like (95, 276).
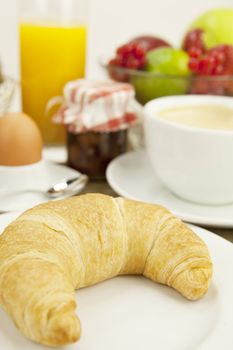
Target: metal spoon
(68, 187)
(61, 189)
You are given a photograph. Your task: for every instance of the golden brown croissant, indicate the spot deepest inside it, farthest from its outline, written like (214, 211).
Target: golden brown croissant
(57, 247)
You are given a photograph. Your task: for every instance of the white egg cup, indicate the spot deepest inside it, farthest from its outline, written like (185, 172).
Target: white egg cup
(194, 163)
(23, 178)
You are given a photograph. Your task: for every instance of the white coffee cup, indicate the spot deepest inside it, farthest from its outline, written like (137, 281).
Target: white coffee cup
(194, 163)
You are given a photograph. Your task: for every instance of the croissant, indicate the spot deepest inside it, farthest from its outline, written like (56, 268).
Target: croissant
(57, 247)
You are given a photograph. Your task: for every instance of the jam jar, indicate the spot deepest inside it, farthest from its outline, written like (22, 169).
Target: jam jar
(91, 152)
(97, 116)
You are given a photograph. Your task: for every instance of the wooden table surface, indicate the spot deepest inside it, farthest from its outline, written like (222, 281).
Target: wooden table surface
(103, 187)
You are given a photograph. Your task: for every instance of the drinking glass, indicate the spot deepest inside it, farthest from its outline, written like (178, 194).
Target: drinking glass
(52, 52)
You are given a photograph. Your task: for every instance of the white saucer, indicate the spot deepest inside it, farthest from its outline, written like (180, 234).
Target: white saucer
(10, 201)
(138, 314)
(131, 176)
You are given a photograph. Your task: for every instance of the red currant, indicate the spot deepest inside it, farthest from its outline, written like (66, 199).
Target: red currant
(133, 54)
(194, 41)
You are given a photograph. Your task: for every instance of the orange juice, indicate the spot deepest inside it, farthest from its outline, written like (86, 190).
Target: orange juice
(51, 55)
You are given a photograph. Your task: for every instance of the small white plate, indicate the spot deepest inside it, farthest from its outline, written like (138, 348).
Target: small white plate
(132, 312)
(10, 201)
(132, 176)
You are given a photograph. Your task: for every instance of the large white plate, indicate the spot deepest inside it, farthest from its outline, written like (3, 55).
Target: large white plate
(132, 176)
(132, 313)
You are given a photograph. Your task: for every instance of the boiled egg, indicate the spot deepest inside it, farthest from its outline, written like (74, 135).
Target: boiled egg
(20, 140)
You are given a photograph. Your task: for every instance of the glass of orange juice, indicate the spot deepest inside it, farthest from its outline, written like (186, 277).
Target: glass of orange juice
(52, 52)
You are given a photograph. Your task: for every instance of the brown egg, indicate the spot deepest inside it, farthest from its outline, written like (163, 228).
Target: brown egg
(20, 140)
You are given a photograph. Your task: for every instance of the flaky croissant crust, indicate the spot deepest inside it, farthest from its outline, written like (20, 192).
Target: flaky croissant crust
(57, 247)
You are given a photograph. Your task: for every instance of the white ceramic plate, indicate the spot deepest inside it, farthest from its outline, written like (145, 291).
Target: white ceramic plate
(132, 313)
(132, 176)
(10, 201)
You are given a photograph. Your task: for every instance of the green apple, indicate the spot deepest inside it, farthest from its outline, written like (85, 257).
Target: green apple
(169, 68)
(217, 25)
(167, 60)
(149, 87)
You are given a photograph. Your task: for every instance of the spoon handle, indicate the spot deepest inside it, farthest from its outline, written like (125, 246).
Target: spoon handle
(71, 187)
(63, 189)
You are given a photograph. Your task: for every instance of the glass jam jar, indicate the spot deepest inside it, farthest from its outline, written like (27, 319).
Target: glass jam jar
(91, 152)
(97, 116)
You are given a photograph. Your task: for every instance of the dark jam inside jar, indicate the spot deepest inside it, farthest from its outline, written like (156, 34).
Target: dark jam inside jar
(91, 152)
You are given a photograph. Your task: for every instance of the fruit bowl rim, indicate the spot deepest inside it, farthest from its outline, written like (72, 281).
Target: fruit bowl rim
(140, 73)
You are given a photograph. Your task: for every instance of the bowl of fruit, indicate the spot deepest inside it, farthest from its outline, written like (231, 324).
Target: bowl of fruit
(202, 64)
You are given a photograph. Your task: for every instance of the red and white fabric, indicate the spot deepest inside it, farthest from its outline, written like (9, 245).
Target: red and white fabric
(101, 106)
